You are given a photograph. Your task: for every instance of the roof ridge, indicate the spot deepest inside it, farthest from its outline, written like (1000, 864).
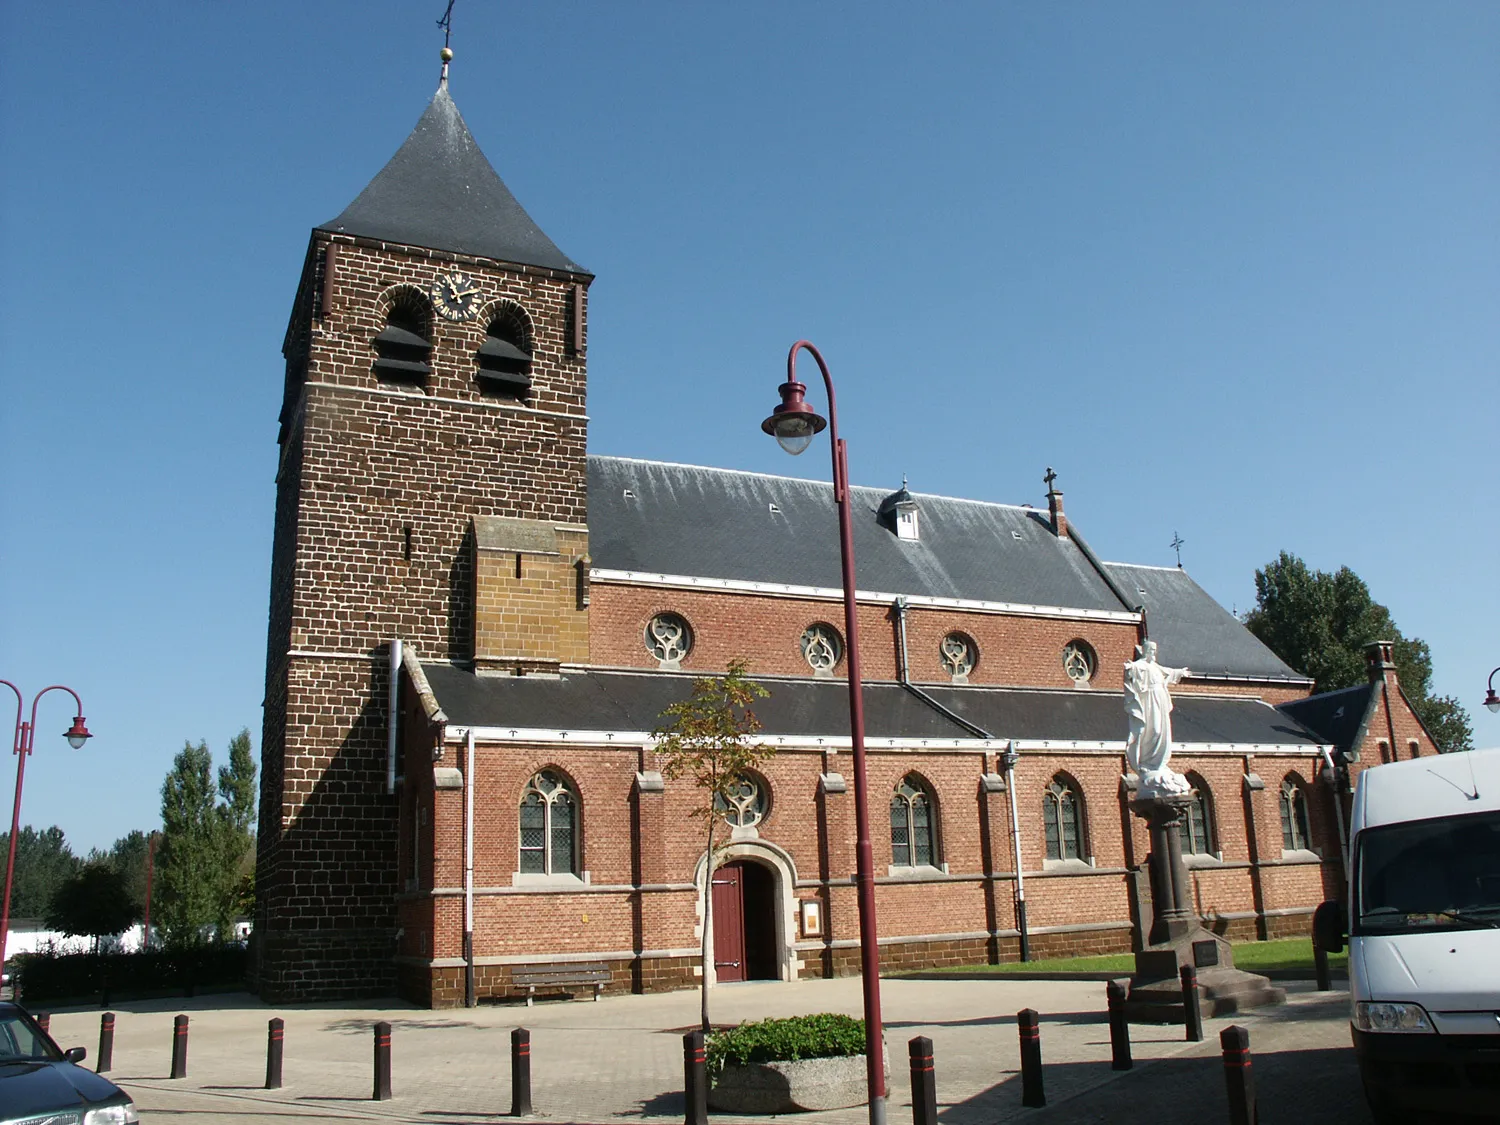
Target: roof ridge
(1146, 566)
(882, 489)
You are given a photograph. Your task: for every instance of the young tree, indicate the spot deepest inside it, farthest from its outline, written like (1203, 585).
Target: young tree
(709, 737)
(93, 903)
(44, 862)
(189, 865)
(1319, 623)
(127, 856)
(236, 836)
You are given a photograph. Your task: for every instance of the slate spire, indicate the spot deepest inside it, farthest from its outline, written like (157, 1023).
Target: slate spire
(440, 192)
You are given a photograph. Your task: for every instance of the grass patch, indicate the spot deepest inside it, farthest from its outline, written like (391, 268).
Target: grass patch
(1252, 956)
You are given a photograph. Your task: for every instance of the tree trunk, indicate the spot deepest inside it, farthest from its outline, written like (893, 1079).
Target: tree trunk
(708, 914)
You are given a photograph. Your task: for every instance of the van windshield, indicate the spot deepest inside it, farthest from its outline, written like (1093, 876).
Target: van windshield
(1430, 875)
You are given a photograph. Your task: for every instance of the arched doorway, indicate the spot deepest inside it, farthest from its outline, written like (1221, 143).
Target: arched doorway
(745, 946)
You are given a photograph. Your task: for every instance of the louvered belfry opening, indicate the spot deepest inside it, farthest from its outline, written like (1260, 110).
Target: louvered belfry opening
(505, 356)
(403, 349)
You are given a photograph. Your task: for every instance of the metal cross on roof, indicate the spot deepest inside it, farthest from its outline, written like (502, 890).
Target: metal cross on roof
(1177, 545)
(1049, 478)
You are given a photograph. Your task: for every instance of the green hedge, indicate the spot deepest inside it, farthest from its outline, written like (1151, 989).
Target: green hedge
(820, 1036)
(55, 976)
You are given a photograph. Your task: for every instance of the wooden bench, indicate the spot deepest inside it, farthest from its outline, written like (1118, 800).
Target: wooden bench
(560, 975)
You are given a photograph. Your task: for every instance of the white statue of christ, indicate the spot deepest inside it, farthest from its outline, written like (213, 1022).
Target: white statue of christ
(1149, 706)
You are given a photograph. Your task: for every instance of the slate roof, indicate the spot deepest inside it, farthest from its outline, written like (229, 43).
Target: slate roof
(633, 701)
(1337, 716)
(720, 523)
(1191, 630)
(440, 192)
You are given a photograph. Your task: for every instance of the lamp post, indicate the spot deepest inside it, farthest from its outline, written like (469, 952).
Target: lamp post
(25, 735)
(1491, 700)
(794, 424)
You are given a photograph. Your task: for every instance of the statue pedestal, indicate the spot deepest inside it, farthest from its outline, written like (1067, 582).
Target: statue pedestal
(1177, 938)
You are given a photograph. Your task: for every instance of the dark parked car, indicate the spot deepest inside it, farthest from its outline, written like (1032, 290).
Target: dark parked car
(39, 1082)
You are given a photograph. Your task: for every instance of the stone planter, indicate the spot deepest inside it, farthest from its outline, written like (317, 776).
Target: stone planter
(790, 1087)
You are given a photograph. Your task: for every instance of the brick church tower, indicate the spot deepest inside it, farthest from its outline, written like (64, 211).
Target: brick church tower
(433, 420)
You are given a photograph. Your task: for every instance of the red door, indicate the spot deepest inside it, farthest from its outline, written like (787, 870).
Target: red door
(729, 923)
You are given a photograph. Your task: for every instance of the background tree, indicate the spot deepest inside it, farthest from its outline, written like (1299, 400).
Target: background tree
(189, 867)
(93, 903)
(1319, 623)
(236, 820)
(44, 862)
(127, 856)
(709, 737)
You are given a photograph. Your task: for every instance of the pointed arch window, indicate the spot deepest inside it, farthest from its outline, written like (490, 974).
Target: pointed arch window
(1062, 816)
(1296, 833)
(913, 824)
(549, 826)
(1197, 828)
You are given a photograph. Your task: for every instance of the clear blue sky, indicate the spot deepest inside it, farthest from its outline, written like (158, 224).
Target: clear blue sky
(1232, 269)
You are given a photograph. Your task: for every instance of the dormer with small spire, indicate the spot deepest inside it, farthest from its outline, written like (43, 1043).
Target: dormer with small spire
(899, 512)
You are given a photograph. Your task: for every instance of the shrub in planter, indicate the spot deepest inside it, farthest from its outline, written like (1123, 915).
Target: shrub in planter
(779, 1066)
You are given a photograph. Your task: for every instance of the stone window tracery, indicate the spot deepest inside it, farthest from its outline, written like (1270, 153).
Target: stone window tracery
(1196, 829)
(549, 826)
(669, 638)
(1062, 814)
(913, 825)
(822, 647)
(1295, 831)
(1079, 662)
(746, 804)
(959, 654)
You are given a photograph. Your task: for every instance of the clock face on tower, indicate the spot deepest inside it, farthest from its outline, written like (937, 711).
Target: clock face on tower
(455, 295)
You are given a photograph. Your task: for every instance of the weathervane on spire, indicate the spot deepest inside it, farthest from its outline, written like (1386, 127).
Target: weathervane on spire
(1177, 544)
(446, 23)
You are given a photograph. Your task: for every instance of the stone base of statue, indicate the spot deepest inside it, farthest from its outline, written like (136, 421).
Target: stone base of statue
(1177, 938)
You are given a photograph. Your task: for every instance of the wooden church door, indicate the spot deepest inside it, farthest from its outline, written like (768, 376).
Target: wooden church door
(729, 922)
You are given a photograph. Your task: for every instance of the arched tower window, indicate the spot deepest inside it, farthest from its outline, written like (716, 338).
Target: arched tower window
(913, 824)
(1295, 831)
(1062, 815)
(403, 348)
(505, 356)
(1197, 829)
(549, 826)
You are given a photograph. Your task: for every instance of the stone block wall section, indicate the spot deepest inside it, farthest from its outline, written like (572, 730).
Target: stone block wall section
(377, 485)
(635, 903)
(530, 595)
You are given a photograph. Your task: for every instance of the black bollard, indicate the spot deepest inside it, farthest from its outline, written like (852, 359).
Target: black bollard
(1119, 1027)
(520, 1072)
(1320, 967)
(179, 1047)
(1192, 1014)
(275, 1043)
(1238, 1079)
(106, 1042)
(923, 1082)
(382, 1062)
(694, 1079)
(44, 1021)
(1031, 1058)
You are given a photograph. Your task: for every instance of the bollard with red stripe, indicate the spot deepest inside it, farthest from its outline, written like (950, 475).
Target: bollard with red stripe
(1119, 1027)
(382, 1062)
(923, 1082)
(44, 1021)
(1192, 1011)
(1032, 1093)
(106, 1043)
(1239, 1081)
(275, 1043)
(520, 1072)
(179, 1047)
(694, 1079)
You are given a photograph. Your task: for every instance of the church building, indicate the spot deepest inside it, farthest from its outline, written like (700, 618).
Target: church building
(475, 623)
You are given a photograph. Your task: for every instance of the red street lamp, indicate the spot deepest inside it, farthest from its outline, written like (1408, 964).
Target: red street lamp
(794, 424)
(1491, 700)
(76, 735)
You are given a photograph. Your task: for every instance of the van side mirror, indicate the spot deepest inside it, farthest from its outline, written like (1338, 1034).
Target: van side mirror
(76, 1054)
(1329, 926)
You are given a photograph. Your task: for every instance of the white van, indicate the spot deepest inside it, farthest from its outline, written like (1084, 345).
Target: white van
(1424, 935)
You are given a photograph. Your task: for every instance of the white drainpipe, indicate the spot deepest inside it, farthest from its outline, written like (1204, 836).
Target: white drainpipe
(469, 998)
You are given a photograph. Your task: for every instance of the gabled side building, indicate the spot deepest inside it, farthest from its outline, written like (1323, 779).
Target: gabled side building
(475, 624)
